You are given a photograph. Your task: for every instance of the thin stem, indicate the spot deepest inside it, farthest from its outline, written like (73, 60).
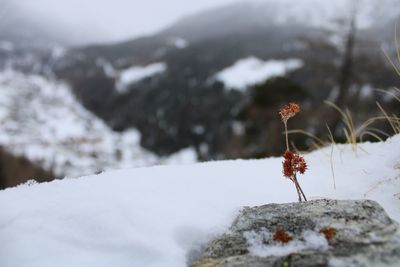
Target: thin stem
(301, 190)
(286, 134)
(298, 192)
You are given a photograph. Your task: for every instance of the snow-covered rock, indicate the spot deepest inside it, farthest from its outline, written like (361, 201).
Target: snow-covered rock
(322, 233)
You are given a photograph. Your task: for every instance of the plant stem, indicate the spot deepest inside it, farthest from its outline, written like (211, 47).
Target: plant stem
(301, 190)
(286, 134)
(298, 192)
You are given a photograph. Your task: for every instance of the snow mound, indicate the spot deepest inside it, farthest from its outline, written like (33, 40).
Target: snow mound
(41, 120)
(251, 70)
(155, 216)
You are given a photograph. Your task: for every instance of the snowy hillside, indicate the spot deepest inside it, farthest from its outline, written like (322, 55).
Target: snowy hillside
(319, 13)
(41, 120)
(155, 216)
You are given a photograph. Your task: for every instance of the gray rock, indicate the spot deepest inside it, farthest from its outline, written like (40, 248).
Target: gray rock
(324, 233)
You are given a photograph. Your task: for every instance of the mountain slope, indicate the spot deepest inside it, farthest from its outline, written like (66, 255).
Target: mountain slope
(42, 121)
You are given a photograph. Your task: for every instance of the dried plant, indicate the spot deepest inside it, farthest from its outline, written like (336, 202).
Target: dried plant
(293, 163)
(287, 112)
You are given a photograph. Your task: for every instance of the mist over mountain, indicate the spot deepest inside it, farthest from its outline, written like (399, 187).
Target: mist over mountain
(28, 31)
(91, 21)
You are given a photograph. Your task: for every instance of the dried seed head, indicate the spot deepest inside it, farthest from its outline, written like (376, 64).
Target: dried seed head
(288, 111)
(288, 170)
(293, 163)
(301, 165)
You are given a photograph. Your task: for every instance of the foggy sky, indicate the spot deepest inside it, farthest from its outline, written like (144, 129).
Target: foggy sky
(112, 20)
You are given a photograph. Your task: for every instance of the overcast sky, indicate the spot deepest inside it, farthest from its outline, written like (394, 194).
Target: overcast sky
(113, 20)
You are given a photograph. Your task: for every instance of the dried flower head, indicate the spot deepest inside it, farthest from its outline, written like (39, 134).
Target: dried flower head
(293, 163)
(329, 233)
(281, 236)
(288, 111)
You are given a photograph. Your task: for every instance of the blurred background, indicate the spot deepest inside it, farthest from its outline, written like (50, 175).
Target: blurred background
(88, 86)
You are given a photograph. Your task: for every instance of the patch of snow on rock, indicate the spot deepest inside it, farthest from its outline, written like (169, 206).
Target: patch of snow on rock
(180, 43)
(251, 70)
(135, 74)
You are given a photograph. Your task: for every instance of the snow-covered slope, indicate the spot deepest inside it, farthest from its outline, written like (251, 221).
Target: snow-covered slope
(319, 13)
(247, 16)
(155, 216)
(41, 120)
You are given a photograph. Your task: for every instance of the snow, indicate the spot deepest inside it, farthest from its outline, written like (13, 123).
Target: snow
(251, 70)
(41, 120)
(179, 43)
(135, 74)
(324, 14)
(367, 91)
(199, 129)
(108, 68)
(58, 52)
(238, 128)
(154, 216)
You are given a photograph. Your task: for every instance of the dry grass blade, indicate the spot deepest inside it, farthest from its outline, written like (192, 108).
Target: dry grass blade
(331, 157)
(372, 134)
(318, 142)
(349, 130)
(393, 120)
(397, 47)
(390, 93)
(391, 62)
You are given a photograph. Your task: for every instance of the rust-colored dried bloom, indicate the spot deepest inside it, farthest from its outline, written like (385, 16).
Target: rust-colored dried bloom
(301, 164)
(281, 236)
(329, 232)
(288, 169)
(293, 163)
(288, 111)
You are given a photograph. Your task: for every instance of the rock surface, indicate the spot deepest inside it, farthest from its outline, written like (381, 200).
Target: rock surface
(322, 232)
